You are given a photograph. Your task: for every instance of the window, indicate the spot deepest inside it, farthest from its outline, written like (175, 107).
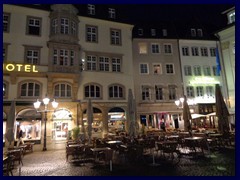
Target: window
(172, 92)
(209, 91)
(73, 28)
(199, 91)
(115, 37)
(185, 51)
(193, 32)
(159, 92)
(140, 32)
(195, 51)
(30, 89)
(91, 33)
(92, 91)
(64, 26)
(91, 9)
(142, 48)
(32, 56)
(5, 51)
(103, 63)
(72, 55)
(167, 48)
(143, 68)
(231, 17)
(62, 90)
(197, 70)
(213, 52)
(145, 93)
(5, 89)
(155, 48)
(34, 26)
(215, 73)
(115, 91)
(204, 51)
(54, 27)
(190, 91)
(153, 32)
(112, 13)
(116, 64)
(63, 58)
(6, 22)
(169, 69)
(199, 32)
(91, 63)
(157, 69)
(188, 70)
(206, 71)
(164, 31)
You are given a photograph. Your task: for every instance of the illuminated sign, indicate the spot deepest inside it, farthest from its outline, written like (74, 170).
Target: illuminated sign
(203, 80)
(19, 67)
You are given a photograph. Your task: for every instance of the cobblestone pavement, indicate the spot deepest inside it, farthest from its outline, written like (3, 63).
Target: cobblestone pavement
(53, 163)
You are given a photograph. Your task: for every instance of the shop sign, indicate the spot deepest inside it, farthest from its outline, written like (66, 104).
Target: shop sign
(19, 67)
(203, 80)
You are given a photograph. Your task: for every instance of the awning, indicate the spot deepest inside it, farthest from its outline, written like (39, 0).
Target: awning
(195, 116)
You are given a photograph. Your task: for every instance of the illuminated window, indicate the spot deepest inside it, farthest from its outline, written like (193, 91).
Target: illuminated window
(143, 68)
(142, 48)
(199, 91)
(157, 69)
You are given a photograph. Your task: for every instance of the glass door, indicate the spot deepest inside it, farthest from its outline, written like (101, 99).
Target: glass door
(61, 130)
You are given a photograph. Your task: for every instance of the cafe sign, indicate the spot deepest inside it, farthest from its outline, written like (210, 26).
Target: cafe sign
(19, 68)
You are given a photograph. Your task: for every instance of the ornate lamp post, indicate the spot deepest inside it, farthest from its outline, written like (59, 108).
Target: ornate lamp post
(37, 106)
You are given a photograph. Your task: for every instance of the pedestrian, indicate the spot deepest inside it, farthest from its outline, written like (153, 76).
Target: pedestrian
(19, 136)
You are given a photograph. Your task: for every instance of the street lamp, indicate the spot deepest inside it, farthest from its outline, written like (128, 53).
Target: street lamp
(37, 106)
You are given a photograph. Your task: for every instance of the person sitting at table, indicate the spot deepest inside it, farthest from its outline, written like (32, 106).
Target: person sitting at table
(19, 136)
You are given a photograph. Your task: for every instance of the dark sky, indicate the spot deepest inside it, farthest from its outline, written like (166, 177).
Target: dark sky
(209, 13)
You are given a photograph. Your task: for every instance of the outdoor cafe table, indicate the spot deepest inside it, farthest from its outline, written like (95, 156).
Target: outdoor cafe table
(193, 142)
(96, 151)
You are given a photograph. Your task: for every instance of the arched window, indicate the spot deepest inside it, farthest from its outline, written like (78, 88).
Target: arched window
(62, 90)
(116, 91)
(30, 89)
(93, 91)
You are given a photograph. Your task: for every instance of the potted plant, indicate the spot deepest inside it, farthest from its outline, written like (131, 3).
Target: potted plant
(75, 133)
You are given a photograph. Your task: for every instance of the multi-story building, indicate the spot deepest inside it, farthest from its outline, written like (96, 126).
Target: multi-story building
(157, 76)
(227, 60)
(55, 52)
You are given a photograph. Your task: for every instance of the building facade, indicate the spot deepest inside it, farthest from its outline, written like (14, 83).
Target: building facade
(70, 58)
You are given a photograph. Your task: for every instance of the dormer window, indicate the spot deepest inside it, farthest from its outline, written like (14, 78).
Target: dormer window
(91, 9)
(199, 32)
(140, 32)
(112, 13)
(164, 31)
(193, 32)
(231, 17)
(153, 32)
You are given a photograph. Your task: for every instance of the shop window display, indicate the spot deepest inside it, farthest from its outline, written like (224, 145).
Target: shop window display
(31, 129)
